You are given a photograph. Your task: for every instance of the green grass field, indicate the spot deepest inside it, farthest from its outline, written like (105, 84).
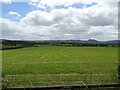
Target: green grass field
(53, 65)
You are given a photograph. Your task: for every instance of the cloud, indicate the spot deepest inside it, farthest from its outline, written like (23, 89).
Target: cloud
(53, 3)
(56, 2)
(6, 1)
(97, 15)
(36, 18)
(15, 14)
(10, 29)
(97, 21)
(37, 5)
(32, 3)
(41, 6)
(16, 30)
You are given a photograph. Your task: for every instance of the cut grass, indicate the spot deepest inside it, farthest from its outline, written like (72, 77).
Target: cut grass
(45, 66)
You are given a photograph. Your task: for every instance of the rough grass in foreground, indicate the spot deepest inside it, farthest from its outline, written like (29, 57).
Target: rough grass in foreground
(46, 66)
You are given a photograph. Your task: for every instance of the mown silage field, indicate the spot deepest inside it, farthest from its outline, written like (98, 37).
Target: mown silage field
(53, 65)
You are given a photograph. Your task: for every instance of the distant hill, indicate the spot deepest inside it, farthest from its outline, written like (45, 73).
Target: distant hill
(57, 42)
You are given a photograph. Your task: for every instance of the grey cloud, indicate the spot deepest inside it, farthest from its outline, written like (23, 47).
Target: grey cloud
(98, 21)
(9, 30)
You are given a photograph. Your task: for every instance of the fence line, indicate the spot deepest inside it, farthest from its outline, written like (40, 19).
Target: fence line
(72, 87)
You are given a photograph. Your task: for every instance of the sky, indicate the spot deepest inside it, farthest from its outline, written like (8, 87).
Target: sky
(59, 20)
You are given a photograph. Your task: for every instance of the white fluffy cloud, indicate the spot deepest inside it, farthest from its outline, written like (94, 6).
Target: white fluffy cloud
(36, 18)
(16, 14)
(98, 21)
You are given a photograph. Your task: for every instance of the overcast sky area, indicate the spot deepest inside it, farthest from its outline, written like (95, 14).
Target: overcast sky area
(59, 20)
